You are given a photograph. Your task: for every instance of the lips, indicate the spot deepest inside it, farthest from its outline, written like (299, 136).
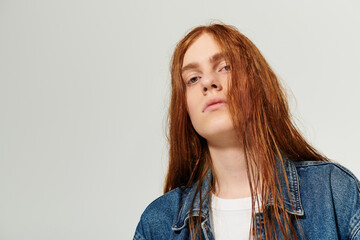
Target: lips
(213, 103)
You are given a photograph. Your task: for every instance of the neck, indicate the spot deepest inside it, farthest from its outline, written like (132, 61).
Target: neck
(231, 178)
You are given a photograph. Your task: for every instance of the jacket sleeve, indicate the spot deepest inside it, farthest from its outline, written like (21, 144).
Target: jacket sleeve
(139, 232)
(355, 226)
(346, 196)
(138, 236)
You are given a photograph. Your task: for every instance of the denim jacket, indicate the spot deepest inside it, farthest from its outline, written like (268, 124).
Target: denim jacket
(324, 196)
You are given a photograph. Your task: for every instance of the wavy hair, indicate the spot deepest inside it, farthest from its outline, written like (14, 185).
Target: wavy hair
(261, 118)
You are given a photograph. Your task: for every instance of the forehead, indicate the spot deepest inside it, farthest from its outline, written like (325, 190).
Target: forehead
(201, 49)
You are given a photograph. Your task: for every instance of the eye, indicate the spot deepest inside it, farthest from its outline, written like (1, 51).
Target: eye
(227, 68)
(192, 80)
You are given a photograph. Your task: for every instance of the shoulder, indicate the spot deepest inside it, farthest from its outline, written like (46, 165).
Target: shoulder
(328, 178)
(165, 205)
(333, 190)
(159, 216)
(327, 171)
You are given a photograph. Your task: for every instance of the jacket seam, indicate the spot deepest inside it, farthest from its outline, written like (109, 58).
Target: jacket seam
(138, 236)
(356, 227)
(296, 191)
(355, 232)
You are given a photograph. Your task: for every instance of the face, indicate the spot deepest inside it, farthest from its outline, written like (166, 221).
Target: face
(206, 73)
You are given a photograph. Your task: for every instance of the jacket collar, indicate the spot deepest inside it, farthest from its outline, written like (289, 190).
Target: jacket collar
(292, 199)
(184, 213)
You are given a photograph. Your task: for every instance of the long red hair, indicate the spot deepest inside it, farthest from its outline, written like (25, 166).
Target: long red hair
(261, 118)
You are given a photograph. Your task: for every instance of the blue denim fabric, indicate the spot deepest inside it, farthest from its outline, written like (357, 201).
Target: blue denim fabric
(325, 197)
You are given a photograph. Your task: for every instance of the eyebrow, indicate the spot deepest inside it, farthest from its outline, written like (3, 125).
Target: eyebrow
(216, 57)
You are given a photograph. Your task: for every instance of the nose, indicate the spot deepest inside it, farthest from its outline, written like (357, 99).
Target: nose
(210, 83)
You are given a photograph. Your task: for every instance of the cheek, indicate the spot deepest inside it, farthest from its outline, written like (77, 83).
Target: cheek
(192, 106)
(189, 107)
(227, 83)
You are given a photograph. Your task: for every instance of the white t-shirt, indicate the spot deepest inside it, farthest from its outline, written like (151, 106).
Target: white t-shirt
(231, 218)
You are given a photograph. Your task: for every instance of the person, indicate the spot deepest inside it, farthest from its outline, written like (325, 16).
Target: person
(238, 166)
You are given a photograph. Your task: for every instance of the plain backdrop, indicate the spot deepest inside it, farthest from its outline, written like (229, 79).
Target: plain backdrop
(84, 91)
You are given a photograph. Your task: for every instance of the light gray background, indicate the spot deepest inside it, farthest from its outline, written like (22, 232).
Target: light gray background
(84, 88)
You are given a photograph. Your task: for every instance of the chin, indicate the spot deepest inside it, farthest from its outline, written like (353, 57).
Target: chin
(216, 130)
(215, 125)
